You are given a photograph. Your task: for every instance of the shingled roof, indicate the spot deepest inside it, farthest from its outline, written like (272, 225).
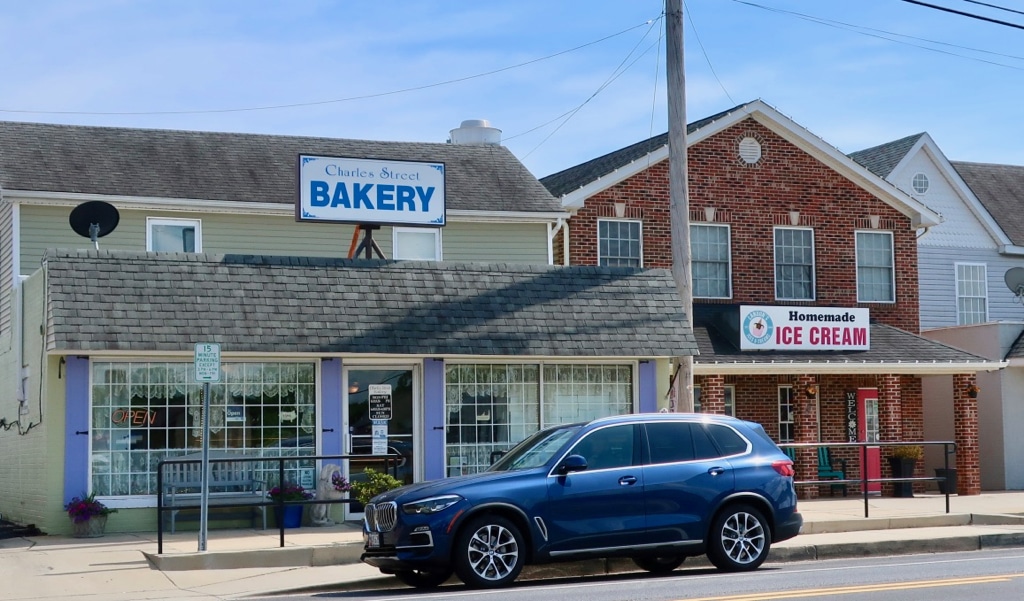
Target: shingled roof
(104, 300)
(882, 159)
(239, 167)
(570, 179)
(1000, 188)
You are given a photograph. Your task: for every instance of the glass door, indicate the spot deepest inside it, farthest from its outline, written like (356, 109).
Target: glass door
(380, 400)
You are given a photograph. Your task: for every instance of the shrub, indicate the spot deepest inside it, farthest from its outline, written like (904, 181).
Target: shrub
(375, 483)
(908, 452)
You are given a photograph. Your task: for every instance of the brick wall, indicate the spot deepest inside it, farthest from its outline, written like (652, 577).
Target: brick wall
(753, 199)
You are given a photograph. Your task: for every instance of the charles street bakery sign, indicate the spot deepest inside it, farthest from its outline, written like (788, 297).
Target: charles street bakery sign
(765, 328)
(364, 191)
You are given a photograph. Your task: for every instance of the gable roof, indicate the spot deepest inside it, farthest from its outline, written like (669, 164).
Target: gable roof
(157, 163)
(262, 304)
(1000, 189)
(570, 179)
(882, 159)
(602, 173)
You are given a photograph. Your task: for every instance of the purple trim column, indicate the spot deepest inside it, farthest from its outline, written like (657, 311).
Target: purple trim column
(647, 386)
(433, 419)
(76, 427)
(330, 407)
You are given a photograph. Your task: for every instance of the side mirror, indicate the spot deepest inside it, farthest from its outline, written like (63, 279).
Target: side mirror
(572, 463)
(496, 455)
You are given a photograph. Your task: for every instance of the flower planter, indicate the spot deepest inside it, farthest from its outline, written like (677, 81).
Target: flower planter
(950, 482)
(292, 516)
(93, 527)
(902, 468)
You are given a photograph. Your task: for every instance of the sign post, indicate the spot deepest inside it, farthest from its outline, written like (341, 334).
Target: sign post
(207, 368)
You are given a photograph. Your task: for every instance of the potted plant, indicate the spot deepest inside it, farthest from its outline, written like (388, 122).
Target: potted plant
(903, 461)
(289, 515)
(374, 484)
(973, 390)
(88, 516)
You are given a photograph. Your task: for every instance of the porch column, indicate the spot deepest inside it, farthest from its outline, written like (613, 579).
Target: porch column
(805, 403)
(890, 410)
(965, 434)
(712, 394)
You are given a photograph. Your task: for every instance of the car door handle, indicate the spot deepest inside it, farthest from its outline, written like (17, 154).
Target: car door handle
(627, 480)
(716, 471)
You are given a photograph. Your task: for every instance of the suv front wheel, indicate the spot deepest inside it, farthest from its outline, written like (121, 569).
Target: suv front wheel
(489, 552)
(739, 539)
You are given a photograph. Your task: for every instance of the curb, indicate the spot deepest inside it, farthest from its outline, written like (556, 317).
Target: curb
(349, 553)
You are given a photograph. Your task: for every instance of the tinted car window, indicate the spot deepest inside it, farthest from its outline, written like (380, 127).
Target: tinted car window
(703, 448)
(607, 448)
(669, 442)
(727, 439)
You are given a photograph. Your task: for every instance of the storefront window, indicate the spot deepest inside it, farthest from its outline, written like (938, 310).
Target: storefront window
(489, 407)
(146, 412)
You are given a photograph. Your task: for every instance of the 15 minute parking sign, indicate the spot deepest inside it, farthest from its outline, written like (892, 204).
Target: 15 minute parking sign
(207, 360)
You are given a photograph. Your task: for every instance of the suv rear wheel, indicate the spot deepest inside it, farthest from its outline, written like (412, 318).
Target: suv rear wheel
(489, 552)
(739, 539)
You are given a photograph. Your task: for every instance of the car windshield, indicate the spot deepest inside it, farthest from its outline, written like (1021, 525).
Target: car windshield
(536, 450)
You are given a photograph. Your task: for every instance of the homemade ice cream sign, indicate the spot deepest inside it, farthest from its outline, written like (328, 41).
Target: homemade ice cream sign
(804, 328)
(366, 191)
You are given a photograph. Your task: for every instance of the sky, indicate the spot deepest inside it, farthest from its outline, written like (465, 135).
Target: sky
(564, 80)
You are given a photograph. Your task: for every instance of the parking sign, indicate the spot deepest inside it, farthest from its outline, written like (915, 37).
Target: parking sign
(207, 359)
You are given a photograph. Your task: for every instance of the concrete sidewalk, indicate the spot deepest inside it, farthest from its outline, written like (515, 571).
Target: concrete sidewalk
(241, 563)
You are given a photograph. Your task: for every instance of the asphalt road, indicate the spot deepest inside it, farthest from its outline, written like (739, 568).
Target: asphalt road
(971, 576)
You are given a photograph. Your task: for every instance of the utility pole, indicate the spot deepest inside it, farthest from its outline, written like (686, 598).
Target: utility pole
(679, 198)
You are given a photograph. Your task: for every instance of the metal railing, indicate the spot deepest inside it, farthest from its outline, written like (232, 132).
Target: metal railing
(389, 462)
(948, 448)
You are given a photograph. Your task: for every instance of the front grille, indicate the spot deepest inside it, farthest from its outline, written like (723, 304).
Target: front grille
(380, 517)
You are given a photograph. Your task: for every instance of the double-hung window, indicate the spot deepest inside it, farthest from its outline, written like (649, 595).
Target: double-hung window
(875, 268)
(416, 244)
(619, 243)
(710, 261)
(971, 293)
(794, 263)
(174, 235)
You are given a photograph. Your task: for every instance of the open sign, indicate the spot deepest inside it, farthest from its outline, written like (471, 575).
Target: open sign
(135, 417)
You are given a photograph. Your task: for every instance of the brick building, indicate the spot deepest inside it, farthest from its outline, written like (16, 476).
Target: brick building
(804, 282)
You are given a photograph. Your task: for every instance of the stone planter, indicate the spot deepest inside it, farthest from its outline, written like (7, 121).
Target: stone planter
(92, 528)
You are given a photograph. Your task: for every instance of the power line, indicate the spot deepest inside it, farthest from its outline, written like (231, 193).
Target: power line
(965, 14)
(884, 35)
(1009, 10)
(335, 100)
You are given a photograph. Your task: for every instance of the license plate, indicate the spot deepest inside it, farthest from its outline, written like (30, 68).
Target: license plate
(373, 539)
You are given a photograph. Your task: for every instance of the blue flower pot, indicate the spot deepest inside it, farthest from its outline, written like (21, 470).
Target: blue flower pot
(292, 516)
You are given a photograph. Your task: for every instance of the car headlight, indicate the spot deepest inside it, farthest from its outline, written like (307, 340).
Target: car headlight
(431, 505)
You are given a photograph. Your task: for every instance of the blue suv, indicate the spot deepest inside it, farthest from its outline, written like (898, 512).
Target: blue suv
(656, 488)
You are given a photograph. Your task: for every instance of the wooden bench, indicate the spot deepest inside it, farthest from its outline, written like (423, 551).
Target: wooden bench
(232, 483)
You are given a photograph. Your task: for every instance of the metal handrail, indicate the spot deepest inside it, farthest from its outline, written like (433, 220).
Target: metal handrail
(949, 447)
(389, 461)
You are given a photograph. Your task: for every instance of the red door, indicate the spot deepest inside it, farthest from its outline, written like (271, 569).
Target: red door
(867, 431)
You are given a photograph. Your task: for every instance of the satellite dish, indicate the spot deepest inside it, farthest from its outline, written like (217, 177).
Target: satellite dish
(94, 219)
(1014, 279)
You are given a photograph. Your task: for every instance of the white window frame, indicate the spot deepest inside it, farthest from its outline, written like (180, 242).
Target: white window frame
(785, 398)
(957, 280)
(197, 224)
(728, 261)
(398, 231)
(775, 264)
(600, 257)
(892, 265)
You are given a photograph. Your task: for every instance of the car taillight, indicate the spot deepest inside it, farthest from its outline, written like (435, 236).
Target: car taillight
(784, 467)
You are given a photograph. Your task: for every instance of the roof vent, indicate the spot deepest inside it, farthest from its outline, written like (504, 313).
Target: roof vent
(476, 131)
